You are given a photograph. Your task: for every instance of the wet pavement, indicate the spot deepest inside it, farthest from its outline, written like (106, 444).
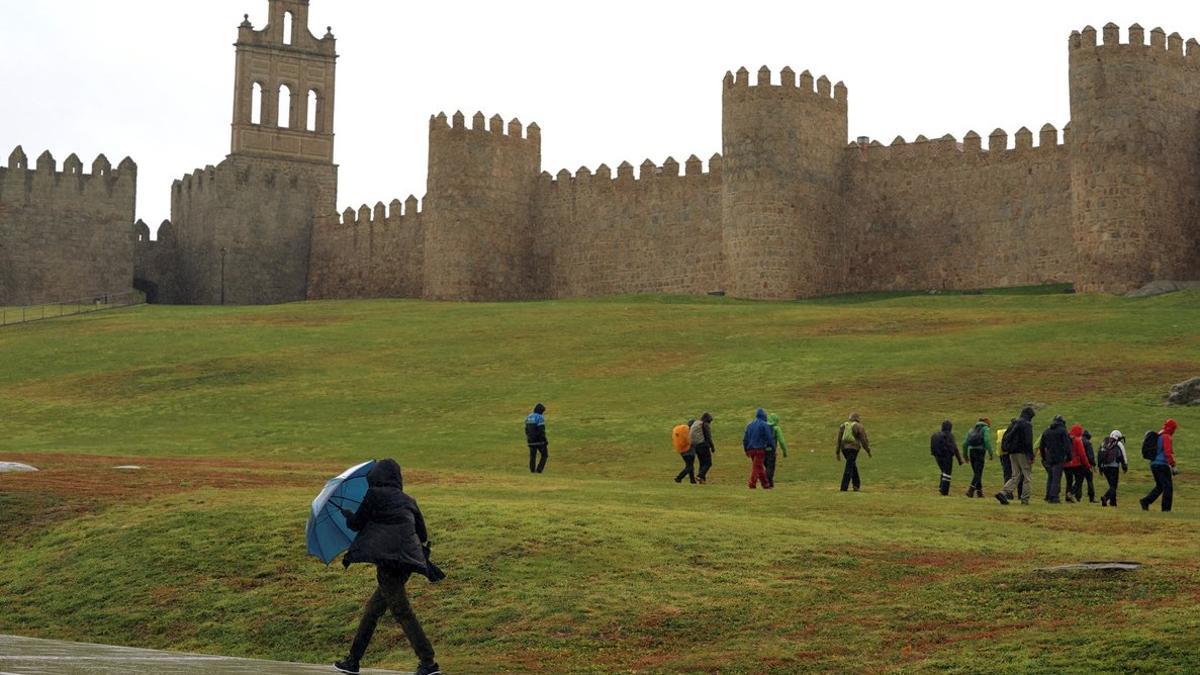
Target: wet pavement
(25, 656)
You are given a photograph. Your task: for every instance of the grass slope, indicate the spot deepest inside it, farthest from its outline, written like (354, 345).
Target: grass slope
(602, 565)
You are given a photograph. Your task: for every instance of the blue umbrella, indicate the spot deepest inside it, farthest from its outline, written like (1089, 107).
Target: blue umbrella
(327, 532)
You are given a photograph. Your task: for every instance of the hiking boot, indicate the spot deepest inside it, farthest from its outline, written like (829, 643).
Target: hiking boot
(702, 480)
(970, 493)
(1145, 506)
(347, 665)
(1001, 498)
(1024, 502)
(979, 493)
(680, 480)
(428, 669)
(1070, 499)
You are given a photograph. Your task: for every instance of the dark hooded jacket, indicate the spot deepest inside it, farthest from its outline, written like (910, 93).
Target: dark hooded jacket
(942, 444)
(1056, 444)
(535, 427)
(1022, 431)
(759, 435)
(389, 524)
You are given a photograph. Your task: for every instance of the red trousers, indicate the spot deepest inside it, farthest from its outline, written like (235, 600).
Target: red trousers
(758, 470)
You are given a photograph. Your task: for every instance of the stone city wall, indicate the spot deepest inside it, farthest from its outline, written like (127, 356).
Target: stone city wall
(65, 235)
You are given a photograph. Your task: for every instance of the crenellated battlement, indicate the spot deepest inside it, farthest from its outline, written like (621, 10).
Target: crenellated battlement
(1112, 37)
(627, 176)
(395, 214)
(787, 84)
(46, 182)
(214, 179)
(494, 127)
(970, 148)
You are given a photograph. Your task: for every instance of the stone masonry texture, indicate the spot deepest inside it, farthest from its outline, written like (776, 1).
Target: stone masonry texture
(791, 207)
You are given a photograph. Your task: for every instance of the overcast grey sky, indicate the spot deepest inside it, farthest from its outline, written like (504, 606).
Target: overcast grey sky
(606, 81)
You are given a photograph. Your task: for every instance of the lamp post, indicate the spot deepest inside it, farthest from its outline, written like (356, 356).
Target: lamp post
(223, 252)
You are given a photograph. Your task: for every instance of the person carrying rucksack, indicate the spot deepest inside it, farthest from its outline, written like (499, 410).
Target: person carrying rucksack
(1076, 466)
(700, 436)
(681, 439)
(757, 439)
(1163, 467)
(1017, 445)
(1005, 460)
(773, 420)
(977, 446)
(1112, 462)
(1055, 447)
(852, 437)
(944, 449)
(535, 436)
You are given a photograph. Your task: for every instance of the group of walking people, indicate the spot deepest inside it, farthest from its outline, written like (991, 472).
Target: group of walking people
(1068, 454)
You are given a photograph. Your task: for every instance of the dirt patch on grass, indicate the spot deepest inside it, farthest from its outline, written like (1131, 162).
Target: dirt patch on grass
(923, 325)
(94, 478)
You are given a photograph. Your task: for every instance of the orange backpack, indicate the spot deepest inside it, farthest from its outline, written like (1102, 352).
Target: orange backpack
(680, 438)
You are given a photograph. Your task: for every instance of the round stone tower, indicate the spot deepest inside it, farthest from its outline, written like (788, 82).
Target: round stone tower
(1135, 127)
(783, 148)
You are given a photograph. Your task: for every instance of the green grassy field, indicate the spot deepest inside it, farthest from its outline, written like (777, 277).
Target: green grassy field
(603, 564)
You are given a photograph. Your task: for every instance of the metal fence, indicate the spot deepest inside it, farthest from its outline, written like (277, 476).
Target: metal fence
(11, 316)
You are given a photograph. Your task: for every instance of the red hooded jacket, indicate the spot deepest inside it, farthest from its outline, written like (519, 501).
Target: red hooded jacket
(1166, 441)
(1078, 454)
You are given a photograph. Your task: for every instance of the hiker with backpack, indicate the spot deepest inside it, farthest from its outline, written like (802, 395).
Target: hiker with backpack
(757, 439)
(773, 420)
(681, 439)
(1055, 448)
(700, 436)
(1005, 460)
(977, 446)
(1160, 450)
(1089, 472)
(1076, 466)
(1017, 445)
(944, 449)
(535, 436)
(1112, 461)
(852, 437)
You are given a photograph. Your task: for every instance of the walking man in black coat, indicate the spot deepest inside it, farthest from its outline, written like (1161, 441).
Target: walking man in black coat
(1056, 447)
(1018, 447)
(944, 449)
(391, 536)
(535, 436)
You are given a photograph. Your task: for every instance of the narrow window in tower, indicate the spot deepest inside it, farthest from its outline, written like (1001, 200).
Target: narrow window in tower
(285, 106)
(256, 103)
(288, 21)
(314, 104)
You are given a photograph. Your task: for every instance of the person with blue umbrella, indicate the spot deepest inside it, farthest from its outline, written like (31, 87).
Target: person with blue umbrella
(384, 528)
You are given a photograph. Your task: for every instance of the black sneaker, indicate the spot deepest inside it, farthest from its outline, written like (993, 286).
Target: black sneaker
(680, 480)
(429, 669)
(1145, 506)
(1001, 498)
(347, 666)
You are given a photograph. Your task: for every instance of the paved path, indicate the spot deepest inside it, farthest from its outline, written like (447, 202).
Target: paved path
(24, 656)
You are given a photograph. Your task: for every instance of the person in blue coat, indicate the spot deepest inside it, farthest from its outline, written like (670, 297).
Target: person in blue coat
(758, 439)
(535, 436)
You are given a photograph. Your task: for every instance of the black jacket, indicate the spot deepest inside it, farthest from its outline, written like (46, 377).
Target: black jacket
(1088, 449)
(1022, 431)
(390, 526)
(942, 444)
(1056, 444)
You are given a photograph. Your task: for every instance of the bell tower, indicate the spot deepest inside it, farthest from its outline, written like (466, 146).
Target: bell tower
(284, 87)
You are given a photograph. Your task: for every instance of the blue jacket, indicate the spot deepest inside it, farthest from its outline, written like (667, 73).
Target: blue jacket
(759, 435)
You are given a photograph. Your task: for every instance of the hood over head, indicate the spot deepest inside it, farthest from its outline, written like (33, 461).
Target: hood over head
(1087, 434)
(854, 417)
(1170, 426)
(690, 422)
(947, 426)
(773, 419)
(1059, 421)
(707, 418)
(1077, 431)
(385, 473)
(761, 414)
(1028, 413)
(539, 408)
